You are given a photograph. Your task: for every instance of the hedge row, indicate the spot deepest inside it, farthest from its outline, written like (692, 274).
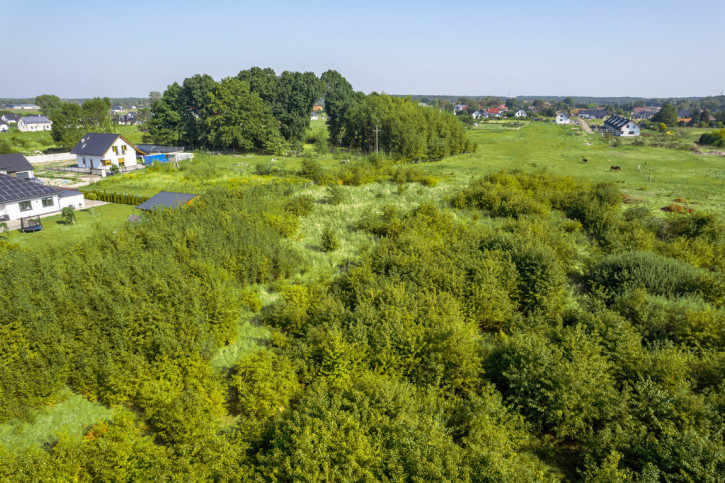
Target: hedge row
(113, 197)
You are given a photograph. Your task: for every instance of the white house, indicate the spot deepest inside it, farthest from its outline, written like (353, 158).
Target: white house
(16, 165)
(34, 123)
(102, 150)
(10, 118)
(479, 113)
(562, 118)
(621, 126)
(520, 113)
(20, 198)
(314, 117)
(3, 126)
(592, 114)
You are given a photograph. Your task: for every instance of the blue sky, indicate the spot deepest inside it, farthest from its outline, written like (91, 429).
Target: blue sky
(83, 48)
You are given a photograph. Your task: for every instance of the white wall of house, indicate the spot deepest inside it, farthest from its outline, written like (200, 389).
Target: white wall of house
(19, 174)
(630, 129)
(33, 126)
(562, 118)
(76, 201)
(14, 211)
(520, 113)
(118, 157)
(3, 128)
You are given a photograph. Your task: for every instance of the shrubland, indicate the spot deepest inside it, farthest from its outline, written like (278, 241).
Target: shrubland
(524, 328)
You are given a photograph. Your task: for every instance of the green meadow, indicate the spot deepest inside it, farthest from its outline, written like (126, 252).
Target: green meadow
(653, 174)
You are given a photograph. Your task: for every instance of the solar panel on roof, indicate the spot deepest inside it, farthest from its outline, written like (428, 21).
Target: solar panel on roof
(13, 189)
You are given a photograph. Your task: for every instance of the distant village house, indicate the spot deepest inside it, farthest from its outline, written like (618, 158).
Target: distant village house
(34, 123)
(621, 126)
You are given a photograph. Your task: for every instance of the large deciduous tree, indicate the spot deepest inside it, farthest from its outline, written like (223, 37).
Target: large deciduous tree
(71, 121)
(164, 126)
(339, 97)
(291, 96)
(296, 95)
(666, 115)
(236, 118)
(48, 103)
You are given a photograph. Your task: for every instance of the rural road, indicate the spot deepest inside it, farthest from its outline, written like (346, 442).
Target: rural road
(586, 127)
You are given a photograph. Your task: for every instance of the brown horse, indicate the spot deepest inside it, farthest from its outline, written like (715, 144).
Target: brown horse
(615, 168)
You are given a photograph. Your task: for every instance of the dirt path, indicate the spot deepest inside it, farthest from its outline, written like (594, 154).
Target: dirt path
(586, 127)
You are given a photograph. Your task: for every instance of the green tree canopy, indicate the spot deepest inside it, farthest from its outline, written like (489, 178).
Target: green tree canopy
(48, 103)
(666, 115)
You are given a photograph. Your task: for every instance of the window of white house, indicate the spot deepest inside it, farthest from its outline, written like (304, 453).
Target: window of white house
(115, 150)
(47, 202)
(123, 149)
(25, 206)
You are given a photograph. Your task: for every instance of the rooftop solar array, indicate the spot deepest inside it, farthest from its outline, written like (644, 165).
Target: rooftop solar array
(13, 189)
(616, 122)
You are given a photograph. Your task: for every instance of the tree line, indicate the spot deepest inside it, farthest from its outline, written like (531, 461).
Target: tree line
(259, 110)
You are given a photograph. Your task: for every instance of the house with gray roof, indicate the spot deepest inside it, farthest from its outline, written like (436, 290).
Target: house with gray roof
(592, 114)
(103, 150)
(34, 123)
(10, 118)
(21, 198)
(16, 165)
(621, 126)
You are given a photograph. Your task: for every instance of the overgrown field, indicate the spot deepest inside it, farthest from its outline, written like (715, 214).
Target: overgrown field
(510, 315)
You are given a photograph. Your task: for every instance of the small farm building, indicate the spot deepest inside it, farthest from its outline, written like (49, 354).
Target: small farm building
(166, 199)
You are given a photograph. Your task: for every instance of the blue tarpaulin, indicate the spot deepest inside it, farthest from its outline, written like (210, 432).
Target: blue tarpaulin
(161, 158)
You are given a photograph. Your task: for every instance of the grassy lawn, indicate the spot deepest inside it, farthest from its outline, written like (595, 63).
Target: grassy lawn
(87, 222)
(28, 143)
(194, 176)
(70, 417)
(131, 133)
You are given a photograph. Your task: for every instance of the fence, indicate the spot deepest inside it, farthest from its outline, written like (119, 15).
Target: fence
(94, 171)
(48, 158)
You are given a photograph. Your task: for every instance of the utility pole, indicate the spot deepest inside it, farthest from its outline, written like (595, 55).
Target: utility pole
(377, 130)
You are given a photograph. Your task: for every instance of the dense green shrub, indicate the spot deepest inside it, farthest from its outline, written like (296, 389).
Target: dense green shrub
(261, 386)
(715, 138)
(659, 275)
(329, 240)
(335, 195)
(300, 205)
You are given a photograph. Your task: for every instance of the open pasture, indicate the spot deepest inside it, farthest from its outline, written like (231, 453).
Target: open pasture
(655, 174)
